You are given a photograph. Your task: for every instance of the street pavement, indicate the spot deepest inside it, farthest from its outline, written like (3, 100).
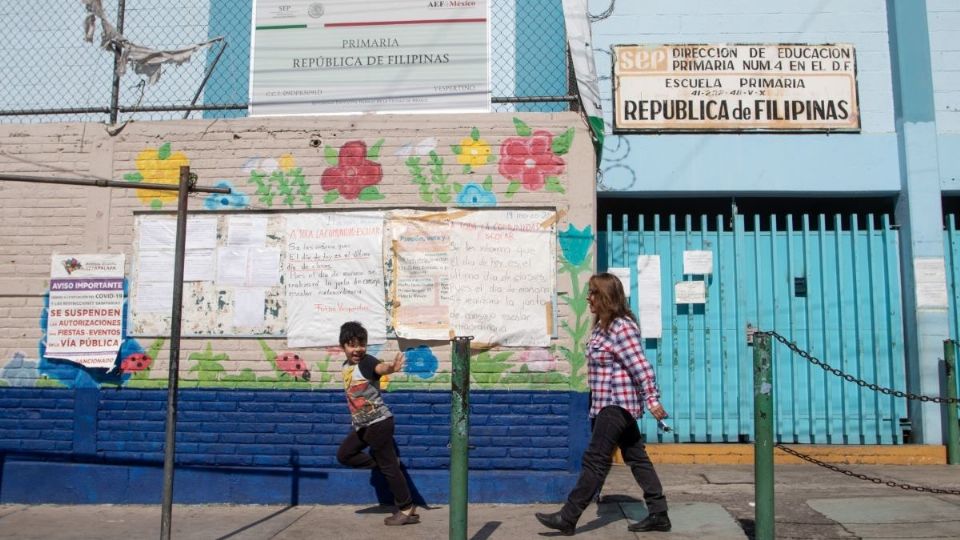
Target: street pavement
(706, 502)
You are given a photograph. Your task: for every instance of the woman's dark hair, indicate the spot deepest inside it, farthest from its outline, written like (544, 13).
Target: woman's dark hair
(351, 331)
(609, 300)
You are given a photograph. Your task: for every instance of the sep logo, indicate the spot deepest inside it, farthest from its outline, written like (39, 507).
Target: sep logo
(632, 59)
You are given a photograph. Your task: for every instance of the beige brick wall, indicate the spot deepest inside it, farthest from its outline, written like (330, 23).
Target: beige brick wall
(37, 220)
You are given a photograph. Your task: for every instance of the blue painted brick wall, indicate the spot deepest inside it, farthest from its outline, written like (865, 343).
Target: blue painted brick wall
(36, 420)
(526, 446)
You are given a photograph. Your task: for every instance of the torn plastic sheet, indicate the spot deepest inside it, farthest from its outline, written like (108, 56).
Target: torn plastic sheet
(145, 61)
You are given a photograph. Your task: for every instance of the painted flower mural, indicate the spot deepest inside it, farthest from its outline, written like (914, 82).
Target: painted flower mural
(354, 174)
(472, 151)
(532, 159)
(226, 201)
(157, 166)
(475, 194)
(575, 246)
(278, 180)
(421, 362)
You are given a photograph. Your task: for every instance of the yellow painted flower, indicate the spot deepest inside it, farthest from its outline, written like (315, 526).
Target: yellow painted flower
(473, 152)
(158, 166)
(286, 162)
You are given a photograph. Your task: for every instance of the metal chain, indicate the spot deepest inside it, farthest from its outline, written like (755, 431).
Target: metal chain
(875, 480)
(846, 376)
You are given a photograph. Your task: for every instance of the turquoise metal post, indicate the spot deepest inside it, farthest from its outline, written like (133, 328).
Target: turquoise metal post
(763, 437)
(953, 430)
(459, 431)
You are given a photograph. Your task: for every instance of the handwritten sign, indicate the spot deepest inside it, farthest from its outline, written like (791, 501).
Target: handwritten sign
(420, 284)
(85, 314)
(503, 266)
(649, 298)
(334, 274)
(690, 292)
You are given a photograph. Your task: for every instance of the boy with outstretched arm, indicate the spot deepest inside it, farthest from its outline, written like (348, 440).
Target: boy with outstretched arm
(371, 419)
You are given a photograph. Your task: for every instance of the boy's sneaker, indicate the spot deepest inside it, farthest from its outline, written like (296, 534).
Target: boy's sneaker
(399, 518)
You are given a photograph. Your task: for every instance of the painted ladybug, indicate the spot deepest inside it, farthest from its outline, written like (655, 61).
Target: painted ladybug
(294, 365)
(135, 362)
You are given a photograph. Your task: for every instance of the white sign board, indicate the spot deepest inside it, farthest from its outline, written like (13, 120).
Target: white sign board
(649, 296)
(623, 274)
(735, 87)
(690, 292)
(85, 314)
(344, 56)
(697, 262)
(931, 279)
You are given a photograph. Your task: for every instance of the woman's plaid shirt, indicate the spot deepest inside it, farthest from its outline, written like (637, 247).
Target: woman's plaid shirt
(618, 372)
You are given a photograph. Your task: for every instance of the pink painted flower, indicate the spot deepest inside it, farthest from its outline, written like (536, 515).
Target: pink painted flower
(353, 171)
(540, 360)
(530, 160)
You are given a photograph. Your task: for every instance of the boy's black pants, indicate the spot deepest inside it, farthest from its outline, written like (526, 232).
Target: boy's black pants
(379, 437)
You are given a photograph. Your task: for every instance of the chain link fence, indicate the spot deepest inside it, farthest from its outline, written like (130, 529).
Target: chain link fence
(51, 74)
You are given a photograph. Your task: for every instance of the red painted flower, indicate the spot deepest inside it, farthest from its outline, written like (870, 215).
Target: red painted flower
(135, 362)
(530, 160)
(294, 365)
(353, 171)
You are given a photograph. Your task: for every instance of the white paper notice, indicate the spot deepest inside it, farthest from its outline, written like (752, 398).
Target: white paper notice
(201, 232)
(502, 276)
(155, 266)
(421, 281)
(248, 306)
(649, 297)
(199, 265)
(931, 279)
(154, 297)
(232, 266)
(85, 310)
(697, 262)
(157, 234)
(263, 267)
(623, 274)
(690, 292)
(334, 274)
(247, 231)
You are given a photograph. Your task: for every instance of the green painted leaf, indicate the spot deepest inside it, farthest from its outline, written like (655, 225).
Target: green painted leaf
(523, 129)
(133, 177)
(426, 197)
(488, 183)
(164, 151)
(289, 200)
(156, 204)
(330, 154)
(467, 169)
(307, 199)
(413, 161)
(371, 193)
(561, 144)
(457, 149)
(513, 188)
(457, 187)
(444, 197)
(374, 152)
(475, 134)
(553, 185)
(331, 196)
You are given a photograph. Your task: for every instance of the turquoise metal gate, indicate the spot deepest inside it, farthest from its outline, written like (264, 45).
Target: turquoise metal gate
(951, 239)
(831, 286)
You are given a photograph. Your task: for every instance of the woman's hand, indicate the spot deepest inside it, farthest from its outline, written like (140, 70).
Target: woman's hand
(658, 412)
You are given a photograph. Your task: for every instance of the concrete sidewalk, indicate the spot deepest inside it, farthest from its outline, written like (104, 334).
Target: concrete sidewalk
(706, 502)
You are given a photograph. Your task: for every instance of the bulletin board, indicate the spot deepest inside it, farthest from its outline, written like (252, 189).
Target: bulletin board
(407, 273)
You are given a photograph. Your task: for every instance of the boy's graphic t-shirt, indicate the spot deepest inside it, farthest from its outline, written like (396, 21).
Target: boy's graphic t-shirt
(362, 385)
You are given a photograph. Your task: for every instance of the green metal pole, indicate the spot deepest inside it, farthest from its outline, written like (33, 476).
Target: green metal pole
(953, 429)
(763, 438)
(459, 430)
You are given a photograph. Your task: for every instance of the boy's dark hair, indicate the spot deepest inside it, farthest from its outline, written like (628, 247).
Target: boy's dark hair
(352, 331)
